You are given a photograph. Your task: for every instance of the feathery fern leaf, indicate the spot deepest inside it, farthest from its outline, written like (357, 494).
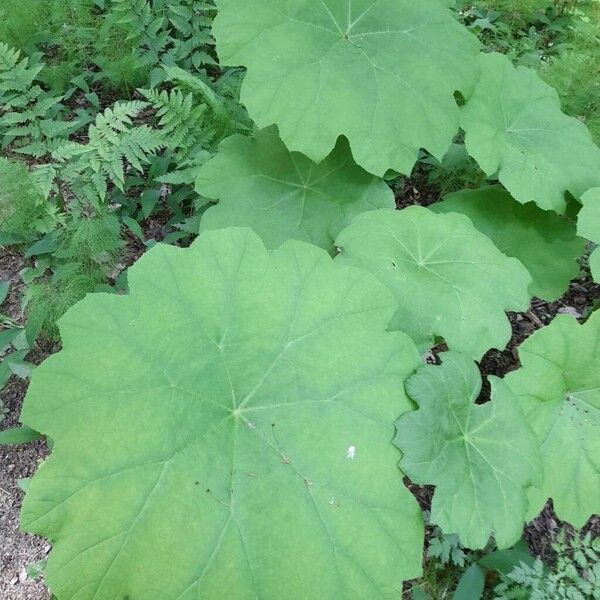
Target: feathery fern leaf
(113, 140)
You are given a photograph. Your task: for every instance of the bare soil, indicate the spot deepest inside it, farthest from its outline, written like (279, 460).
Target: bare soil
(18, 549)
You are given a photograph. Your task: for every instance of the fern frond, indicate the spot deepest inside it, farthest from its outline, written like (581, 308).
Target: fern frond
(9, 57)
(68, 150)
(187, 171)
(118, 117)
(113, 141)
(179, 118)
(27, 112)
(44, 176)
(195, 84)
(16, 75)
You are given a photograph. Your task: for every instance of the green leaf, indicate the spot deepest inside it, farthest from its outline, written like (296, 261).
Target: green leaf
(6, 365)
(46, 245)
(21, 368)
(595, 264)
(450, 280)
(283, 195)
(588, 226)
(8, 238)
(7, 337)
(504, 561)
(418, 593)
(18, 435)
(174, 236)
(32, 329)
(30, 274)
(544, 242)
(462, 448)
(5, 374)
(37, 569)
(134, 227)
(514, 128)
(4, 289)
(559, 392)
(471, 584)
(21, 342)
(383, 74)
(148, 200)
(221, 432)
(24, 483)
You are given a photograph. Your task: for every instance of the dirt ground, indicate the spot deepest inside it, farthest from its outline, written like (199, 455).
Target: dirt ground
(17, 549)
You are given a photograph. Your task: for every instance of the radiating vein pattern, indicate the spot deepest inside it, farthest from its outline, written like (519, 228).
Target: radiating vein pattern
(449, 279)
(461, 448)
(246, 448)
(325, 68)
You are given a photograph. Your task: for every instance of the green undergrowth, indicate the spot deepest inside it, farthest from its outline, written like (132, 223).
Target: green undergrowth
(313, 198)
(575, 72)
(570, 570)
(112, 45)
(25, 214)
(75, 40)
(560, 39)
(86, 251)
(89, 153)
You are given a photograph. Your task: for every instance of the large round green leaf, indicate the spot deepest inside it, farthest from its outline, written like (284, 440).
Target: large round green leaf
(516, 130)
(559, 392)
(221, 432)
(588, 226)
(544, 242)
(381, 72)
(481, 458)
(449, 279)
(284, 195)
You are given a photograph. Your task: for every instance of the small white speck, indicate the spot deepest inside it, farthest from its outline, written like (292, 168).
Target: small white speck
(351, 452)
(332, 501)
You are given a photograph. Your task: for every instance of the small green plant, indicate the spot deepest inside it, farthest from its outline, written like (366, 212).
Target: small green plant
(25, 215)
(78, 42)
(445, 562)
(91, 153)
(62, 30)
(575, 72)
(114, 143)
(167, 32)
(195, 118)
(575, 574)
(456, 171)
(529, 32)
(446, 550)
(28, 114)
(120, 47)
(450, 570)
(85, 252)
